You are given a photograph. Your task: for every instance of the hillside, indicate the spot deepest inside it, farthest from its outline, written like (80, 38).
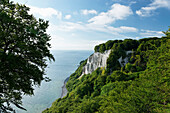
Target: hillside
(132, 82)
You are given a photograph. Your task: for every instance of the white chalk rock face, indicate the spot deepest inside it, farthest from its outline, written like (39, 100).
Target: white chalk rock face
(124, 61)
(95, 61)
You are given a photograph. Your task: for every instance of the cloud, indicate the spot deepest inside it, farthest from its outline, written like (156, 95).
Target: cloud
(45, 12)
(67, 43)
(123, 29)
(67, 27)
(148, 11)
(132, 2)
(70, 26)
(117, 12)
(67, 17)
(86, 12)
(150, 33)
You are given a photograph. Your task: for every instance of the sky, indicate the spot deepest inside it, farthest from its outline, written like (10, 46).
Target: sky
(82, 24)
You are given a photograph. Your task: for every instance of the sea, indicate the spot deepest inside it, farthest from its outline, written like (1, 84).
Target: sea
(66, 62)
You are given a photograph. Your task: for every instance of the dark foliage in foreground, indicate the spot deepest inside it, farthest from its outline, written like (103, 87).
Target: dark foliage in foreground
(24, 49)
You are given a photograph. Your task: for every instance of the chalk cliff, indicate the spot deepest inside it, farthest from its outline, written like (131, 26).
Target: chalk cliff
(95, 61)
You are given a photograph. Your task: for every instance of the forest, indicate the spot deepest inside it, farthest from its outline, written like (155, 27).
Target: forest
(140, 86)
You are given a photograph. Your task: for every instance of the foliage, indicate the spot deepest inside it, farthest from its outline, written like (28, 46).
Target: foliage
(106, 46)
(24, 49)
(140, 86)
(73, 80)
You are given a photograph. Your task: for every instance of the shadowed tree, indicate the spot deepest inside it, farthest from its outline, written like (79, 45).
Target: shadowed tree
(24, 50)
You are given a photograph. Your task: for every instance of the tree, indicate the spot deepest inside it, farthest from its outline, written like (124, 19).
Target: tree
(167, 33)
(102, 48)
(96, 49)
(24, 50)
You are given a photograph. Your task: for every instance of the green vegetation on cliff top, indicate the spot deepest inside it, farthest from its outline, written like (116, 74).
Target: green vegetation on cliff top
(142, 85)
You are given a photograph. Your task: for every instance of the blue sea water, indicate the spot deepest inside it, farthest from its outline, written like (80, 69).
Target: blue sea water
(66, 62)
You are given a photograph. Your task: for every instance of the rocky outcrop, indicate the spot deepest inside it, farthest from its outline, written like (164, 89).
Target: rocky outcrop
(124, 61)
(95, 61)
(98, 59)
(64, 89)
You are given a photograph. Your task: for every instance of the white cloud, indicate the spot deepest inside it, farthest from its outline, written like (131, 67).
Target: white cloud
(115, 31)
(67, 17)
(45, 12)
(123, 29)
(86, 12)
(128, 29)
(69, 27)
(117, 12)
(132, 2)
(148, 11)
(67, 43)
(150, 33)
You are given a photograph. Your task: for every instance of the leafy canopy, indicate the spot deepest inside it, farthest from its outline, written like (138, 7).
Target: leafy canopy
(24, 50)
